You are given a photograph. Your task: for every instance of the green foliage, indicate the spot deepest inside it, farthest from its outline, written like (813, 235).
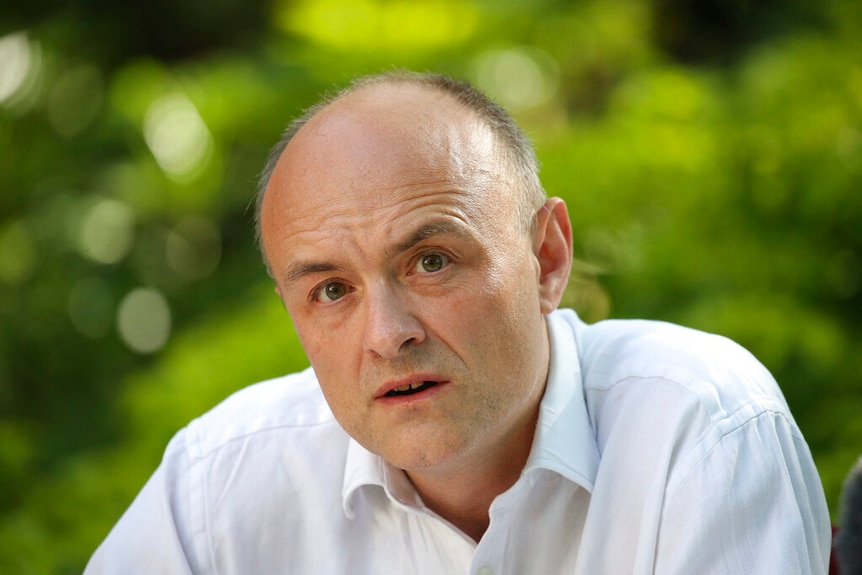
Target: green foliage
(712, 175)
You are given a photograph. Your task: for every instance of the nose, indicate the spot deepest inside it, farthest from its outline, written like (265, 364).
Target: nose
(390, 324)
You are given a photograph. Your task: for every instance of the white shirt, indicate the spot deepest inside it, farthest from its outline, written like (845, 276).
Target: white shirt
(659, 449)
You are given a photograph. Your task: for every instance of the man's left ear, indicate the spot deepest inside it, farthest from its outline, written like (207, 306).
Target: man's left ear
(552, 246)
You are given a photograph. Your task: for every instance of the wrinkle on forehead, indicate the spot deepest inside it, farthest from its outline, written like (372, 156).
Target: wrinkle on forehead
(349, 222)
(377, 148)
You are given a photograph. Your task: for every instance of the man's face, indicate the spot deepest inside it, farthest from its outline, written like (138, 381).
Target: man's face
(390, 230)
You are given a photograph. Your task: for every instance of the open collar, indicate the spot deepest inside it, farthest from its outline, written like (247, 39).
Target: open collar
(564, 441)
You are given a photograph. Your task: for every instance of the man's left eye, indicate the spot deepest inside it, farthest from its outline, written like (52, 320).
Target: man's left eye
(430, 263)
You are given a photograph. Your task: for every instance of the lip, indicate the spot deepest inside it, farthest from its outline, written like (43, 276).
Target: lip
(381, 392)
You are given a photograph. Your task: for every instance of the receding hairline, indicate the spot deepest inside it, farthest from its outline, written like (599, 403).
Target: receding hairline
(517, 152)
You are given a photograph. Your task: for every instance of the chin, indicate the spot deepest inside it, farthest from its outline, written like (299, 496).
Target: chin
(427, 457)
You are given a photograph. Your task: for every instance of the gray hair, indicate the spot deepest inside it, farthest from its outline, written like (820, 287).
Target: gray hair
(519, 155)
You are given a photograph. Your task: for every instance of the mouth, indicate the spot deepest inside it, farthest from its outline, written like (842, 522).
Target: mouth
(410, 388)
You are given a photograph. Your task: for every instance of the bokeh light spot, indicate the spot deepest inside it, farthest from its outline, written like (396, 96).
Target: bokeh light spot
(518, 78)
(20, 61)
(107, 232)
(178, 137)
(144, 320)
(376, 24)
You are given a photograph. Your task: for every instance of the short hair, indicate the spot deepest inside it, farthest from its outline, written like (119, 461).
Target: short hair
(518, 153)
(848, 541)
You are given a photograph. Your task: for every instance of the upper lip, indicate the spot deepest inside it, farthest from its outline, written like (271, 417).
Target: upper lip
(395, 384)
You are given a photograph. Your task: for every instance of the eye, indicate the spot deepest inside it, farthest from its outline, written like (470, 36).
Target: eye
(330, 292)
(430, 263)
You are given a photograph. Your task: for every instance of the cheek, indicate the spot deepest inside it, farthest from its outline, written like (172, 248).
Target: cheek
(333, 358)
(514, 315)
(339, 385)
(328, 358)
(491, 325)
(512, 285)
(319, 338)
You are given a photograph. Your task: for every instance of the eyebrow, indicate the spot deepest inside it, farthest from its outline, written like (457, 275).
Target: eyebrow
(425, 232)
(298, 270)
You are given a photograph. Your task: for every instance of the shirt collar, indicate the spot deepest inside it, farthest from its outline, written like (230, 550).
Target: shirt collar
(364, 468)
(564, 441)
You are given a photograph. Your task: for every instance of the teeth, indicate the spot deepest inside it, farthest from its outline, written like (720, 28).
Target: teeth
(409, 386)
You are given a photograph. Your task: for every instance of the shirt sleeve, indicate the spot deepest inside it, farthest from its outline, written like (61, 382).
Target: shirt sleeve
(151, 536)
(751, 503)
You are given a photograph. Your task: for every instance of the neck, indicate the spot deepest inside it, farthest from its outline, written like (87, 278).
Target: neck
(462, 493)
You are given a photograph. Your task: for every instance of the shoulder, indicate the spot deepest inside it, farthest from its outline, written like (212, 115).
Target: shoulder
(657, 369)
(273, 437)
(290, 405)
(264, 460)
(713, 368)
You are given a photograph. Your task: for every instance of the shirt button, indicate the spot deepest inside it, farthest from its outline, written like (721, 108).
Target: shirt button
(484, 570)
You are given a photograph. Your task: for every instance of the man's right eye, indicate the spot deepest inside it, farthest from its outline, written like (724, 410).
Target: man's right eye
(330, 292)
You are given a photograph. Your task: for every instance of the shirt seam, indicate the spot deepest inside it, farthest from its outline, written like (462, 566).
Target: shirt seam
(196, 475)
(197, 456)
(204, 454)
(718, 440)
(760, 407)
(716, 425)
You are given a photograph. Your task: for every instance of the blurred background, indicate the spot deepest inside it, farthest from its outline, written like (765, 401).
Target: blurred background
(710, 153)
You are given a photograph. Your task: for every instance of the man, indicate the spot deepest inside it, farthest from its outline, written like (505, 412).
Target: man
(452, 421)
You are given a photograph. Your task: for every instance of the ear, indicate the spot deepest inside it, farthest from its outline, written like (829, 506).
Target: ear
(552, 246)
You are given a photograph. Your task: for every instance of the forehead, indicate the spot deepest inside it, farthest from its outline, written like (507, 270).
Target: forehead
(381, 128)
(377, 148)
